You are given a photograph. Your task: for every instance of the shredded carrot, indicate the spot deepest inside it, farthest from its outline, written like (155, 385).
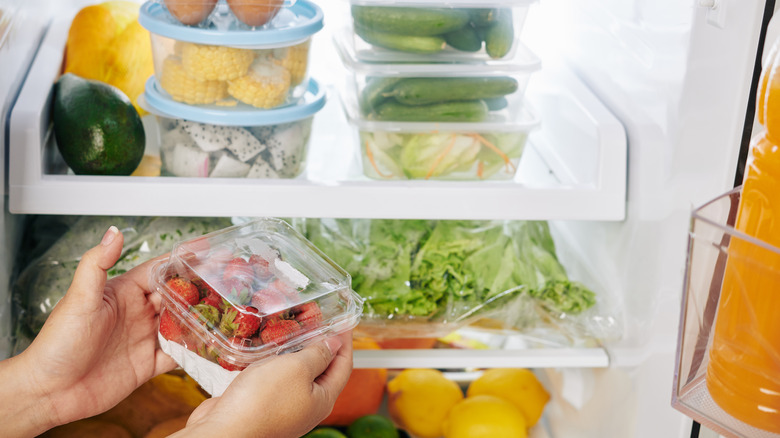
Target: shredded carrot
(480, 168)
(441, 157)
(370, 156)
(493, 147)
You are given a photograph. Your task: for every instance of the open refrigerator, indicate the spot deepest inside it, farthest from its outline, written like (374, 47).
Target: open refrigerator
(645, 108)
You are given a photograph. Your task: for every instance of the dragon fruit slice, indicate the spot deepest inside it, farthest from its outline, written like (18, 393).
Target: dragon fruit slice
(287, 150)
(210, 138)
(187, 161)
(262, 132)
(262, 169)
(229, 167)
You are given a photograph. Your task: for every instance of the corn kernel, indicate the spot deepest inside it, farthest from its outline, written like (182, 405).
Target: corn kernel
(204, 62)
(266, 85)
(184, 88)
(295, 59)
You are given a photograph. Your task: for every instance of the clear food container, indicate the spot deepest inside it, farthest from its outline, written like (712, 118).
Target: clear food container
(436, 31)
(215, 143)
(230, 66)
(726, 372)
(488, 150)
(245, 294)
(239, 13)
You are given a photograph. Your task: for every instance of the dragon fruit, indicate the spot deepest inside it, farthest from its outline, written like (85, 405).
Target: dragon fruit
(286, 149)
(213, 138)
(187, 161)
(262, 169)
(229, 167)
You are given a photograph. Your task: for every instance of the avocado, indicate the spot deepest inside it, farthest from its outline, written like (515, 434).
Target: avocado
(98, 131)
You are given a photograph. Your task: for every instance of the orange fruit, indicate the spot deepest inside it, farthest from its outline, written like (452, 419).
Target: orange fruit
(419, 400)
(364, 391)
(516, 385)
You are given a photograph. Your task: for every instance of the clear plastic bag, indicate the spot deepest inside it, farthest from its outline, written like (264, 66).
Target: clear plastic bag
(428, 278)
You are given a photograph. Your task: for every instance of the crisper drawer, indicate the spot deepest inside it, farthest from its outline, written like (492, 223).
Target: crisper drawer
(573, 165)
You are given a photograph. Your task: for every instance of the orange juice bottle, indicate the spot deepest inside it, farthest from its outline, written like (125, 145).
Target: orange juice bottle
(743, 373)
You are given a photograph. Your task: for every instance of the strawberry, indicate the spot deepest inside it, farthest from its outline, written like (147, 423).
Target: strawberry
(277, 331)
(268, 301)
(206, 314)
(228, 364)
(213, 299)
(183, 291)
(240, 322)
(204, 288)
(238, 268)
(170, 328)
(260, 266)
(308, 315)
(290, 292)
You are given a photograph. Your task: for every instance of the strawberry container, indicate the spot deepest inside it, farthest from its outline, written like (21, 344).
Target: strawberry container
(227, 65)
(245, 294)
(435, 30)
(228, 143)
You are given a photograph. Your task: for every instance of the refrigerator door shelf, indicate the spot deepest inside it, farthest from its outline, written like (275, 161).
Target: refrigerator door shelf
(574, 167)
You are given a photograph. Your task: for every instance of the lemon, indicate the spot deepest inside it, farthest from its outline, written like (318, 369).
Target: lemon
(515, 385)
(420, 399)
(484, 416)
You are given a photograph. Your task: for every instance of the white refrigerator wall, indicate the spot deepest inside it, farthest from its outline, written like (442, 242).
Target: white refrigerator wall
(678, 77)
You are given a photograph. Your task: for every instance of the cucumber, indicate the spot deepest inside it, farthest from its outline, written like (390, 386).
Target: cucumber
(482, 17)
(405, 43)
(462, 111)
(465, 39)
(423, 91)
(409, 21)
(496, 103)
(500, 36)
(373, 93)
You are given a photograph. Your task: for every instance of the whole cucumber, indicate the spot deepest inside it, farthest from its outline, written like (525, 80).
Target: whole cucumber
(482, 17)
(462, 111)
(501, 35)
(465, 39)
(405, 43)
(409, 21)
(423, 91)
(373, 94)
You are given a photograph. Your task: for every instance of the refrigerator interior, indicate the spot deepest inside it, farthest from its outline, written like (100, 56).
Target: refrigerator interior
(672, 78)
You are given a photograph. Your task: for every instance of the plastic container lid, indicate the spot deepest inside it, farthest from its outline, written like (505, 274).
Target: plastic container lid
(291, 26)
(156, 101)
(391, 63)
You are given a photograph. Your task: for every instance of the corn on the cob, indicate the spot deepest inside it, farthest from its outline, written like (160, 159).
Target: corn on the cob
(295, 59)
(266, 85)
(205, 63)
(184, 88)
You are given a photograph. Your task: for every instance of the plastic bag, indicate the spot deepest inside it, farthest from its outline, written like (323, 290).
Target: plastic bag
(428, 278)
(43, 280)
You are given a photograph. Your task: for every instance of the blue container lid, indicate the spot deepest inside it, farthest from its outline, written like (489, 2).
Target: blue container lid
(158, 102)
(291, 25)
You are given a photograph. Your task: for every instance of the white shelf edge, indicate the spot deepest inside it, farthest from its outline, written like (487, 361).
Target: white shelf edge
(455, 359)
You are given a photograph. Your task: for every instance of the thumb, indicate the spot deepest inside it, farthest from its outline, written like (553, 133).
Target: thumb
(316, 358)
(90, 276)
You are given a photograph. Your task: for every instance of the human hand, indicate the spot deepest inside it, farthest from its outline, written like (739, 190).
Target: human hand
(282, 398)
(97, 346)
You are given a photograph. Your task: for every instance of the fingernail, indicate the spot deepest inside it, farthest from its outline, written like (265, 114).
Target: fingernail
(109, 236)
(333, 343)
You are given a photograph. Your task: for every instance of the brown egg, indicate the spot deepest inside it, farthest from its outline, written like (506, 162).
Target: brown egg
(190, 12)
(255, 12)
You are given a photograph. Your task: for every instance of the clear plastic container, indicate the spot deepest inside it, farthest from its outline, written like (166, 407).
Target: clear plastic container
(436, 31)
(219, 143)
(245, 294)
(230, 66)
(740, 395)
(416, 123)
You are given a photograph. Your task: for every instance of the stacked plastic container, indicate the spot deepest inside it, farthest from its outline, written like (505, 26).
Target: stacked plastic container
(231, 89)
(437, 88)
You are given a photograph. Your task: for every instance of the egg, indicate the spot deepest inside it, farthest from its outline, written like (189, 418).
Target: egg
(255, 12)
(190, 12)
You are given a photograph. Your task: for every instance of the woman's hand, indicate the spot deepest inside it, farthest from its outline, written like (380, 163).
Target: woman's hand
(281, 398)
(97, 346)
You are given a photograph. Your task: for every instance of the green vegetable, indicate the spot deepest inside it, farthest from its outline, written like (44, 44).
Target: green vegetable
(422, 91)
(466, 39)
(462, 111)
(500, 36)
(374, 93)
(482, 17)
(426, 156)
(406, 43)
(409, 21)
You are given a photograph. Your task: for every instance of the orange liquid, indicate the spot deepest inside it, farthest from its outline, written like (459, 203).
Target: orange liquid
(743, 374)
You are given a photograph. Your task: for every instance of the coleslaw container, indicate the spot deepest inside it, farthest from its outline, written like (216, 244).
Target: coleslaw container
(436, 31)
(229, 65)
(216, 142)
(245, 294)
